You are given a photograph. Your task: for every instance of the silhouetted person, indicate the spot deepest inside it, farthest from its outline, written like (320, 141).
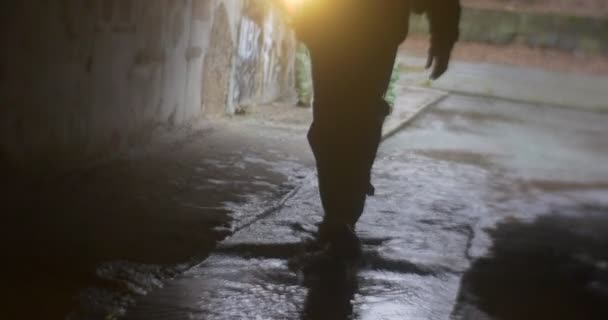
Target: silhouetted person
(353, 46)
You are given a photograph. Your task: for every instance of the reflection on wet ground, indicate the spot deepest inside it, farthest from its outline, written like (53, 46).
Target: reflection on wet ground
(88, 242)
(331, 296)
(411, 259)
(540, 247)
(472, 158)
(484, 209)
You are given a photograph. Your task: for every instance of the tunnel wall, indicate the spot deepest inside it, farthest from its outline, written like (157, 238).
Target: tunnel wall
(84, 80)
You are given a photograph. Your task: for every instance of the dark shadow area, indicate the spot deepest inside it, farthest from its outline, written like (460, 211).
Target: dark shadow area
(264, 251)
(553, 268)
(330, 293)
(157, 215)
(370, 259)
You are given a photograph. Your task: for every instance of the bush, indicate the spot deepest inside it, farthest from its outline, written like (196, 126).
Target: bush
(304, 87)
(391, 93)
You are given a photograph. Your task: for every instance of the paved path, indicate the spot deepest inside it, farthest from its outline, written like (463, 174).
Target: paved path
(485, 209)
(160, 210)
(515, 83)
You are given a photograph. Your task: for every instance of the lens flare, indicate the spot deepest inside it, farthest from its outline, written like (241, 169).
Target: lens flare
(293, 5)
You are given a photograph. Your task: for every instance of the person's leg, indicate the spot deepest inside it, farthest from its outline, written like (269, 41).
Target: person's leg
(346, 131)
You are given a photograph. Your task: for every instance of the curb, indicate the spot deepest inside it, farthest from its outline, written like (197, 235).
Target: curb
(398, 119)
(515, 84)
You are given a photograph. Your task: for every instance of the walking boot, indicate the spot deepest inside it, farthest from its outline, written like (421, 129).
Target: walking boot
(344, 244)
(334, 245)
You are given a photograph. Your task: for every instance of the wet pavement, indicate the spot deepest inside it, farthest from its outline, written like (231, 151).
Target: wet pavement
(485, 209)
(87, 242)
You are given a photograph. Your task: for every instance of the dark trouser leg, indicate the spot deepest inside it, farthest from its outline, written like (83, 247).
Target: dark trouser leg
(346, 130)
(345, 157)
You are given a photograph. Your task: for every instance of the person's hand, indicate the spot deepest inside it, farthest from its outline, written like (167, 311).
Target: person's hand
(438, 59)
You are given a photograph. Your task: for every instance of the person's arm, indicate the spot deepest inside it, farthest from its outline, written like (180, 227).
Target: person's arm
(444, 19)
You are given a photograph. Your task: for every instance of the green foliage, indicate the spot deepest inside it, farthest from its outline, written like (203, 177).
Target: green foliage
(391, 93)
(304, 87)
(111, 317)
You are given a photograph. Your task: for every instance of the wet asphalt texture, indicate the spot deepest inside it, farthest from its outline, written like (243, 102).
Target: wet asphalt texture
(485, 209)
(93, 238)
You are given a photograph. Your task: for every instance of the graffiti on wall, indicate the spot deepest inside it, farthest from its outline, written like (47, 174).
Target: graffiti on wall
(270, 67)
(262, 59)
(248, 55)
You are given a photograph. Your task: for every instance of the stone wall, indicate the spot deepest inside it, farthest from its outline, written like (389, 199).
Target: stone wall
(87, 79)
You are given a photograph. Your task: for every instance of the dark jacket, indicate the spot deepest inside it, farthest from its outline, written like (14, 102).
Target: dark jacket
(335, 22)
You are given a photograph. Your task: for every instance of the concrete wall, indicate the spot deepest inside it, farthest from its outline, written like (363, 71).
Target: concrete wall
(86, 79)
(543, 30)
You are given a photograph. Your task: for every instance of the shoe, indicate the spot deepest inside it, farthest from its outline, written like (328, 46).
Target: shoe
(324, 262)
(311, 262)
(335, 245)
(312, 244)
